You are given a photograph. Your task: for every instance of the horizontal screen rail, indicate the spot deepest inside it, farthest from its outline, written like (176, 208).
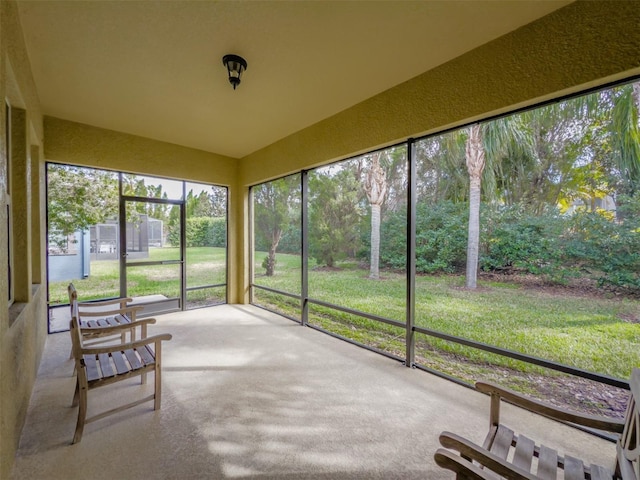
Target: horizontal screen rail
(153, 263)
(358, 313)
(356, 343)
(288, 317)
(202, 287)
(279, 292)
(132, 198)
(615, 382)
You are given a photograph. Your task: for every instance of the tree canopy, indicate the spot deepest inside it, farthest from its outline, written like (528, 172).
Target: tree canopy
(552, 163)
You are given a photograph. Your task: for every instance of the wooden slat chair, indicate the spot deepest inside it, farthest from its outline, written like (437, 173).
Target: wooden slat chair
(98, 366)
(94, 316)
(507, 455)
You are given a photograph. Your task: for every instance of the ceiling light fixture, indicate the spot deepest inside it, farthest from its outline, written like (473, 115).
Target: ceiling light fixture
(235, 66)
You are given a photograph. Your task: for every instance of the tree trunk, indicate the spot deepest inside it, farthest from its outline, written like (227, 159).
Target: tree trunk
(270, 261)
(475, 165)
(270, 266)
(374, 271)
(375, 186)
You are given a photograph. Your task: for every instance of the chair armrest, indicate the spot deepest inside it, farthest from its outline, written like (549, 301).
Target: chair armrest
(103, 303)
(119, 328)
(497, 392)
(483, 457)
(125, 346)
(462, 468)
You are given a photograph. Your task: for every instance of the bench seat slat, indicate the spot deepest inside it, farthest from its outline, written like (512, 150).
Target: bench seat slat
(147, 355)
(547, 463)
(133, 359)
(598, 472)
(523, 456)
(105, 365)
(111, 322)
(106, 322)
(92, 367)
(122, 319)
(120, 363)
(573, 468)
(502, 442)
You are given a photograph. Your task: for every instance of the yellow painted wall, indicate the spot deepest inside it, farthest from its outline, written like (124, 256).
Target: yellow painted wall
(584, 44)
(23, 326)
(79, 144)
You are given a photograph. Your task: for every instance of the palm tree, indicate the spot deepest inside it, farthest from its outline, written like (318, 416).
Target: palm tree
(547, 155)
(375, 187)
(625, 129)
(488, 144)
(475, 166)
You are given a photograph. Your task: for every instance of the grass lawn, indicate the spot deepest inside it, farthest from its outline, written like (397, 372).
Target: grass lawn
(205, 266)
(591, 332)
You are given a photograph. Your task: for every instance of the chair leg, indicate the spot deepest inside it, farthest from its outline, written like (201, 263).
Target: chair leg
(158, 388)
(76, 394)
(82, 414)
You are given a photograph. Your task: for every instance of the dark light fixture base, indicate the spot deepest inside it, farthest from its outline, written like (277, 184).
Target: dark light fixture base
(235, 66)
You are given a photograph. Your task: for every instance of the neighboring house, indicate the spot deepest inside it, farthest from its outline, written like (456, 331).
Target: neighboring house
(606, 203)
(69, 258)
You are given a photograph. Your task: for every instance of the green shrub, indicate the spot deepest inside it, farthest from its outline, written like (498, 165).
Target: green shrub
(441, 238)
(515, 239)
(609, 248)
(201, 232)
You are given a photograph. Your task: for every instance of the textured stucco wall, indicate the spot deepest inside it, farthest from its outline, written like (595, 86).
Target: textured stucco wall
(582, 45)
(21, 202)
(38, 204)
(79, 144)
(23, 326)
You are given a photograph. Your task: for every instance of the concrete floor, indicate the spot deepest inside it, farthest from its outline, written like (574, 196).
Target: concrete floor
(250, 395)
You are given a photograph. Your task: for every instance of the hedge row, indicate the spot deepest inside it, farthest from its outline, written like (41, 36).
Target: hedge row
(551, 244)
(201, 232)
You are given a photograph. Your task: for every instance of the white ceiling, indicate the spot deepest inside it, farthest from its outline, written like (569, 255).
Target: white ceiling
(154, 68)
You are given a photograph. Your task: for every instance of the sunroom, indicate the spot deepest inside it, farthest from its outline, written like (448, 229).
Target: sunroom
(337, 177)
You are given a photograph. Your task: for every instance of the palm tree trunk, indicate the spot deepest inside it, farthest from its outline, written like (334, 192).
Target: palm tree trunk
(375, 187)
(374, 271)
(475, 165)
